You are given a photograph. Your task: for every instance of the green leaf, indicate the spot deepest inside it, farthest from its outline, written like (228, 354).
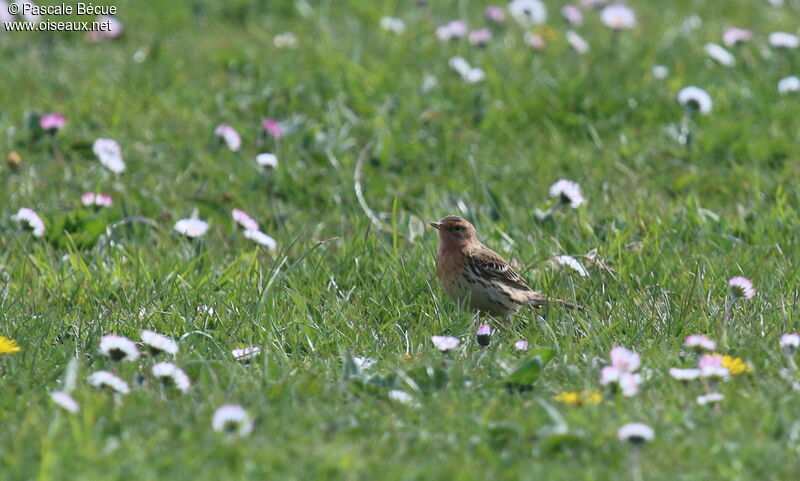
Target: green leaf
(530, 368)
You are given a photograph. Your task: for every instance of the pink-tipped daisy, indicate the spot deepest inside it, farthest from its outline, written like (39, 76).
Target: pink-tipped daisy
(30, 220)
(624, 359)
(699, 342)
(711, 366)
(493, 13)
(52, 122)
(113, 28)
(484, 335)
(618, 17)
(480, 37)
(577, 42)
(735, 36)
(533, 40)
(789, 343)
(741, 288)
(572, 14)
(445, 343)
(244, 220)
(230, 136)
(272, 127)
(521, 346)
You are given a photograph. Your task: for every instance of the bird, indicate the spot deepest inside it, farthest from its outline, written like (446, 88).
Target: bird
(477, 276)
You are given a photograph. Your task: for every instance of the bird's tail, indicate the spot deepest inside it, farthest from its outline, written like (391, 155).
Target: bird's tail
(539, 300)
(566, 304)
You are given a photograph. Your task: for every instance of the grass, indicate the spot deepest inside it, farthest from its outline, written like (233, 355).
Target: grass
(673, 224)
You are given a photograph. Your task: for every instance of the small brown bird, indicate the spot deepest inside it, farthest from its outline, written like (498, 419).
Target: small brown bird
(471, 272)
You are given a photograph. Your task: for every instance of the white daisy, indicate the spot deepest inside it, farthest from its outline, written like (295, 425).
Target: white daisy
(246, 353)
(474, 75)
(711, 398)
(109, 153)
(784, 40)
(29, 219)
(233, 420)
(695, 98)
(65, 401)
(105, 379)
(521, 346)
(572, 263)
(568, 193)
(741, 287)
(230, 136)
(684, 374)
(453, 30)
(159, 343)
(243, 219)
(660, 72)
(364, 363)
(528, 12)
(577, 42)
(118, 348)
(267, 160)
(618, 17)
(636, 433)
(445, 343)
(401, 396)
(392, 24)
(191, 228)
(789, 84)
(285, 40)
(261, 239)
(167, 373)
(789, 343)
(720, 55)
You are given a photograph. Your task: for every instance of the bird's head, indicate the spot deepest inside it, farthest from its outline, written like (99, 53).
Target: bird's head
(455, 231)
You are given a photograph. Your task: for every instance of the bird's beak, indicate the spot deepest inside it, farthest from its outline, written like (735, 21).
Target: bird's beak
(436, 225)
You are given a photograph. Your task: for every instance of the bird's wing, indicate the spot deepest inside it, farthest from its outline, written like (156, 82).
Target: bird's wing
(488, 264)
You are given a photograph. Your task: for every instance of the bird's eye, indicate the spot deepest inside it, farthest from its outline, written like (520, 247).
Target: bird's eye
(458, 228)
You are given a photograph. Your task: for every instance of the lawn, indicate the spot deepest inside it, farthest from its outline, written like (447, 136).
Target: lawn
(375, 135)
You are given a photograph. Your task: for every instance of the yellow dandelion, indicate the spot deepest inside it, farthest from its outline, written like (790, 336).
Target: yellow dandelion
(567, 398)
(7, 346)
(578, 398)
(736, 365)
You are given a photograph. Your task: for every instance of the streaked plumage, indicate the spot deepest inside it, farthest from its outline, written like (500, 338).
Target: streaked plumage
(473, 273)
